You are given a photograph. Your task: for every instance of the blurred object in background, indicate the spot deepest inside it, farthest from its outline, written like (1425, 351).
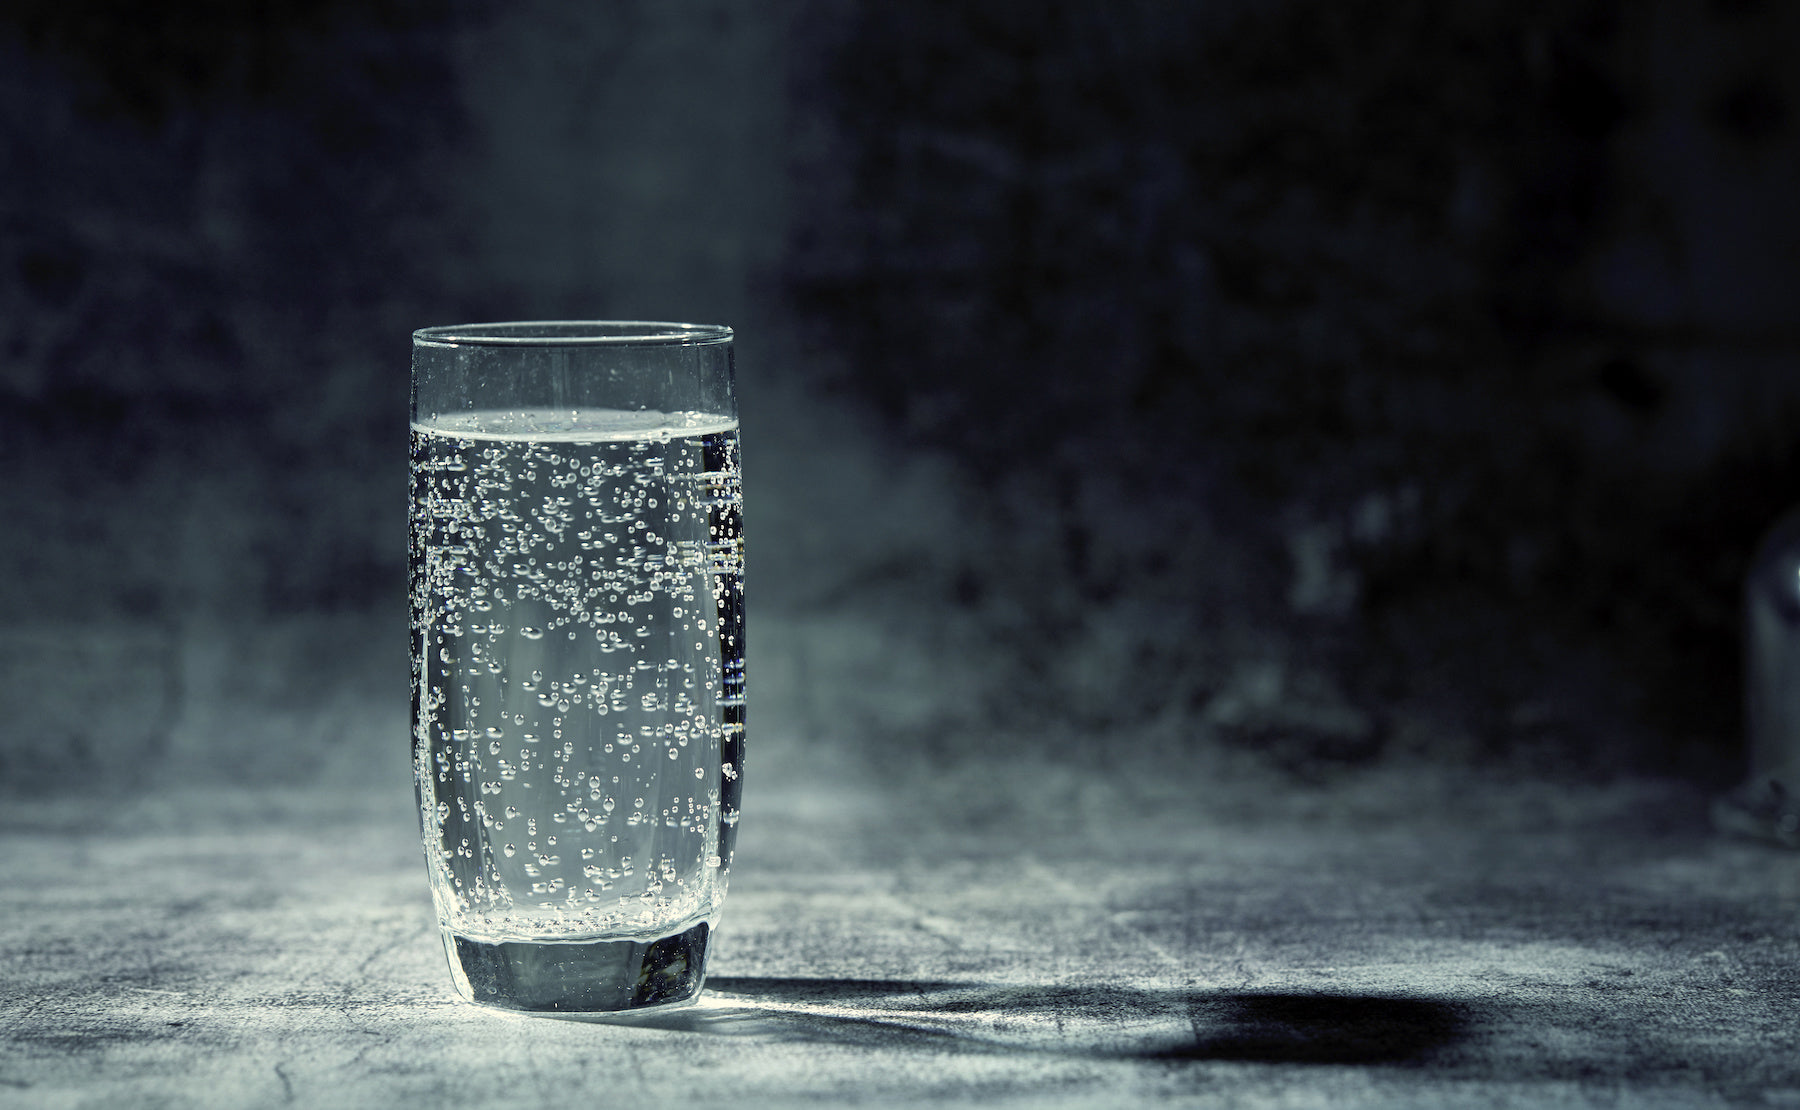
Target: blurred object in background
(1767, 806)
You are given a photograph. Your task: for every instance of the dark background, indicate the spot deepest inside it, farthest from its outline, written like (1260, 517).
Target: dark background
(1289, 389)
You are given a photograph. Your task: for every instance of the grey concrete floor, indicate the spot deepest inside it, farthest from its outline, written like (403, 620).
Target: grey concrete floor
(1400, 939)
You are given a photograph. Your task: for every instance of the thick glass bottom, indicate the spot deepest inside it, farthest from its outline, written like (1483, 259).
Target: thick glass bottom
(581, 977)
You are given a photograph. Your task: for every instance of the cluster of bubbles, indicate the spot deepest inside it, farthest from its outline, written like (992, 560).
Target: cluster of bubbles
(578, 676)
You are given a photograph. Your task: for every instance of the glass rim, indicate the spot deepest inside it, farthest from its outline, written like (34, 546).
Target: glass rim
(573, 333)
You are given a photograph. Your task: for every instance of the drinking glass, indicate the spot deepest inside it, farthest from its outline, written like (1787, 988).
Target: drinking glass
(577, 655)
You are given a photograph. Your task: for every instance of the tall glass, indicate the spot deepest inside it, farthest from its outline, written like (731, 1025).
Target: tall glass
(578, 654)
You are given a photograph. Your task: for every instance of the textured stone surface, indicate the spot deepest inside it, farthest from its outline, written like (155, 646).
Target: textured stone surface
(1517, 945)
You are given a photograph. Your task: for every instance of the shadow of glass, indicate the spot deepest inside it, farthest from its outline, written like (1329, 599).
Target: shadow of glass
(1094, 1021)
(838, 991)
(1319, 1028)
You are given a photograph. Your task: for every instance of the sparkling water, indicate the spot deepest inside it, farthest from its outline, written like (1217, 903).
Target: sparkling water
(577, 598)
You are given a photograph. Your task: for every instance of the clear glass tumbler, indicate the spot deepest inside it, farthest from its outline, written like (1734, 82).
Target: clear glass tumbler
(578, 655)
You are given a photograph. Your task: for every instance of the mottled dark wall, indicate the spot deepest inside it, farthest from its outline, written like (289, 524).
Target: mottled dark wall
(1334, 384)
(1449, 348)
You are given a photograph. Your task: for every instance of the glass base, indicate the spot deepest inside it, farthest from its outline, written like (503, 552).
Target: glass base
(581, 977)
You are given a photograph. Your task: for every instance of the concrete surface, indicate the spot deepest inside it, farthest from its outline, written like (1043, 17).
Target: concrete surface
(1399, 939)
